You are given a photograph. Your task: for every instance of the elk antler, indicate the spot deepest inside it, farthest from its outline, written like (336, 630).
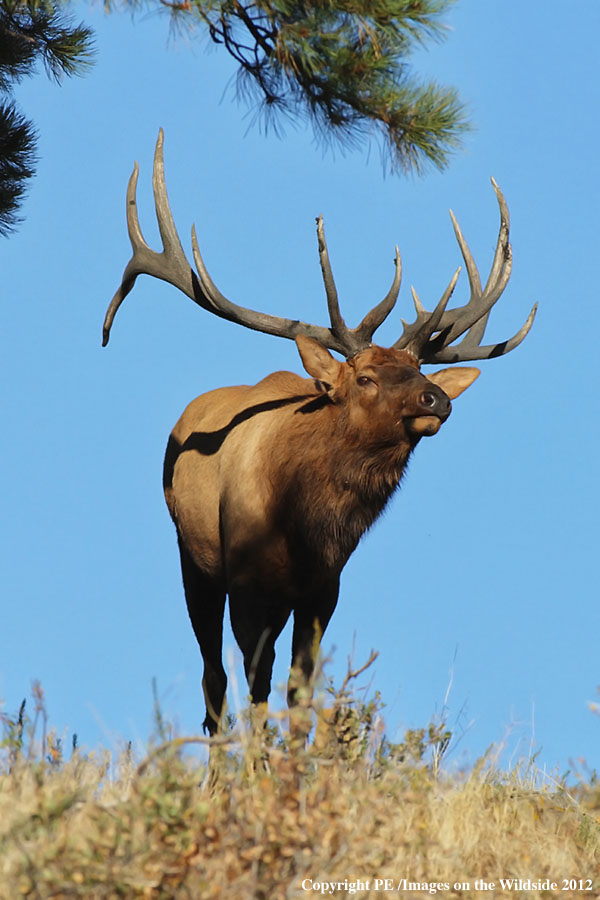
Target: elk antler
(172, 265)
(428, 338)
(431, 334)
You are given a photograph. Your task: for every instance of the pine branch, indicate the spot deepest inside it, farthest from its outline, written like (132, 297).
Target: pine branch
(17, 163)
(343, 64)
(31, 30)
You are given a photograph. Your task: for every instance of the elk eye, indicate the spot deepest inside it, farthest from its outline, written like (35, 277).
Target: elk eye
(362, 380)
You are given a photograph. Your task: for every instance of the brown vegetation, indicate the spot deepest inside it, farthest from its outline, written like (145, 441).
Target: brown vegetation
(272, 822)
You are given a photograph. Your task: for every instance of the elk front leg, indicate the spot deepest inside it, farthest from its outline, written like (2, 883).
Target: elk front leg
(310, 621)
(257, 619)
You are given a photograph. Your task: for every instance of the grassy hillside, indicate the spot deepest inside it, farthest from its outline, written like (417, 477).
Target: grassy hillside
(352, 815)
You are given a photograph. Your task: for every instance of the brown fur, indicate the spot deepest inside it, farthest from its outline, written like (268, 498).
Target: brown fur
(271, 487)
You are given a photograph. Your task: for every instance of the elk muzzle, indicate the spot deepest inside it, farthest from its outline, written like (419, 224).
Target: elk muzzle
(434, 408)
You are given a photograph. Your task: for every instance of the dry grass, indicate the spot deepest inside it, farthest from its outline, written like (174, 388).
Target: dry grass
(266, 819)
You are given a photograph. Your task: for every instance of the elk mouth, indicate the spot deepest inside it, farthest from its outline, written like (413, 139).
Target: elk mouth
(423, 426)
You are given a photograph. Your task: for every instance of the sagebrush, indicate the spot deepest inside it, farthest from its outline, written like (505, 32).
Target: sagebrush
(351, 814)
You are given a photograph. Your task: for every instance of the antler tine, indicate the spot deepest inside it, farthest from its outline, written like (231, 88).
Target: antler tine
(472, 271)
(218, 303)
(503, 248)
(129, 275)
(178, 271)
(414, 337)
(338, 326)
(379, 313)
(470, 350)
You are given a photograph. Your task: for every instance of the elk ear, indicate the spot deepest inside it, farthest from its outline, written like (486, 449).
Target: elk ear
(454, 381)
(317, 360)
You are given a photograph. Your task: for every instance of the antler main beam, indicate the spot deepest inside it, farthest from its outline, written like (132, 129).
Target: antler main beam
(172, 265)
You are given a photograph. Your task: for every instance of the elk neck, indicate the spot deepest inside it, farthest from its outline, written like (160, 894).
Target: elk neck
(341, 482)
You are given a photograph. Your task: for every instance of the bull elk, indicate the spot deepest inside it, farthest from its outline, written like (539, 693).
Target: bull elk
(271, 486)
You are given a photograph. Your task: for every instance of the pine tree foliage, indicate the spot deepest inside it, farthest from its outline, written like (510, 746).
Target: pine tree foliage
(17, 160)
(30, 31)
(342, 63)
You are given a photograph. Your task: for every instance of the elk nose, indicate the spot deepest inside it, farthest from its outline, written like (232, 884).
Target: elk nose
(435, 402)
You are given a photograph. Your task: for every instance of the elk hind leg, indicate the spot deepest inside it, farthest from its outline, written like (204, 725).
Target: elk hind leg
(205, 598)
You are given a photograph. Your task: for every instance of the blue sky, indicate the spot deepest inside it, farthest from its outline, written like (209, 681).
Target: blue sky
(485, 564)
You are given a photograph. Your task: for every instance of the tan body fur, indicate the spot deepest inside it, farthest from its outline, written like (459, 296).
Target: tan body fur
(271, 487)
